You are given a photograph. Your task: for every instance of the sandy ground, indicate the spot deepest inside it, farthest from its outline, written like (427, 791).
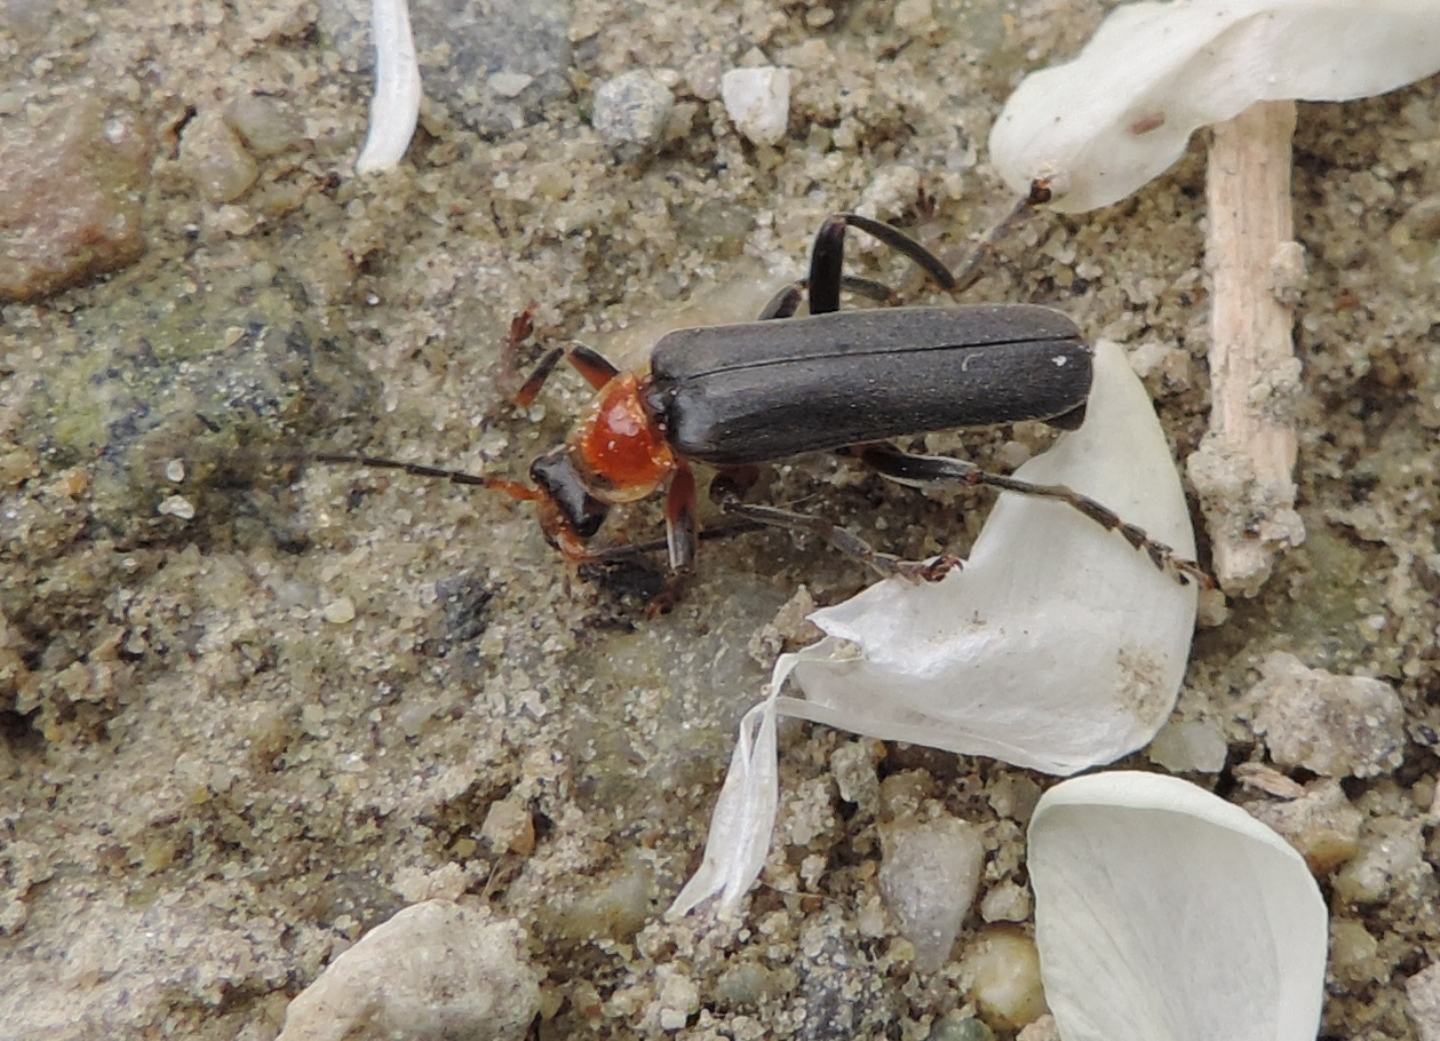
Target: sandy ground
(249, 711)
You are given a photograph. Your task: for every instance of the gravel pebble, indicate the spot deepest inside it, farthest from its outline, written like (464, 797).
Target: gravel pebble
(1189, 747)
(339, 611)
(71, 207)
(1340, 726)
(1423, 990)
(1391, 861)
(1002, 968)
(1320, 823)
(758, 101)
(435, 970)
(630, 113)
(215, 159)
(929, 877)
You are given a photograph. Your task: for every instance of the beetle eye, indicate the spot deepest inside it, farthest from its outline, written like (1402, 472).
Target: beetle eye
(557, 477)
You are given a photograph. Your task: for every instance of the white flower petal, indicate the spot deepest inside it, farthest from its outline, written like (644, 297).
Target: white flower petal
(1058, 646)
(1164, 913)
(396, 104)
(744, 817)
(1102, 125)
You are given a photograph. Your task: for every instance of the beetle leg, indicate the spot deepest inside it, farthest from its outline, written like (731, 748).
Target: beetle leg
(591, 364)
(784, 303)
(924, 469)
(968, 272)
(681, 529)
(846, 541)
(827, 257)
(681, 538)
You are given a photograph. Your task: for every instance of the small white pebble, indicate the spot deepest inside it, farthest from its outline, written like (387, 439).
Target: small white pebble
(435, 969)
(914, 15)
(1003, 968)
(1006, 902)
(929, 875)
(509, 84)
(339, 612)
(1423, 991)
(1189, 746)
(177, 506)
(175, 471)
(758, 101)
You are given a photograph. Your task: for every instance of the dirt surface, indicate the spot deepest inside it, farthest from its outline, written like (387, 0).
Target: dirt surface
(251, 710)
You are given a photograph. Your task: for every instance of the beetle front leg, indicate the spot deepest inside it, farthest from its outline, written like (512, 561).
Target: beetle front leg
(682, 536)
(927, 469)
(589, 363)
(886, 565)
(681, 529)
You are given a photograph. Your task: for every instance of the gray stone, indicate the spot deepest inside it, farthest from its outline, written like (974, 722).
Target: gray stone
(630, 112)
(929, 878)
(1423, 990)
(434, 971)
(1339, 726)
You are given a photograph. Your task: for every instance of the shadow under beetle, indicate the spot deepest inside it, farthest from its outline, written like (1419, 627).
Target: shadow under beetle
(736, 395)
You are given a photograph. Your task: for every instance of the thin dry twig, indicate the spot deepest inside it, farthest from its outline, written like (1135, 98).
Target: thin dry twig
(1243, 468)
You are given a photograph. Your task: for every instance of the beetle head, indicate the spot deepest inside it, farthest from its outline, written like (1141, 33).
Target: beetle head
(556, 476)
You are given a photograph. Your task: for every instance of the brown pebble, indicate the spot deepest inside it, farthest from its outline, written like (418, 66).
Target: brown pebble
(72, 205)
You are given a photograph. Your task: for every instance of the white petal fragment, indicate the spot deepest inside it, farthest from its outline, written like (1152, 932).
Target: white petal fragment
(1163, 911)
(1102, 125)
(396, 104)
(744, 817)
(1058, 646)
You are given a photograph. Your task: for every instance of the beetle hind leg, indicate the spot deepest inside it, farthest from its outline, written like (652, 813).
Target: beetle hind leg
(886, 565)
(926, 469)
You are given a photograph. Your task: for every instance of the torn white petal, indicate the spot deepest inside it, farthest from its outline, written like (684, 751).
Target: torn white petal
(396, 104)
(744, 817)
(1058, 646)
(1163, 911)
(1103, 124)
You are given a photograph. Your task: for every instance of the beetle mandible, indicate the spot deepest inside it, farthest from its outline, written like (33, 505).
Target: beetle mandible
(732, 396)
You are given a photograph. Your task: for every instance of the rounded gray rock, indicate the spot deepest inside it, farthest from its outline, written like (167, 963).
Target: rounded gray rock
(630, 113)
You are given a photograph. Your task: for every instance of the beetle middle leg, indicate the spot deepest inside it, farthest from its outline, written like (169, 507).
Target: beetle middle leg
(846, 541)
(926, 469)
(827, 258)
(784, 303)
(828, 254)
